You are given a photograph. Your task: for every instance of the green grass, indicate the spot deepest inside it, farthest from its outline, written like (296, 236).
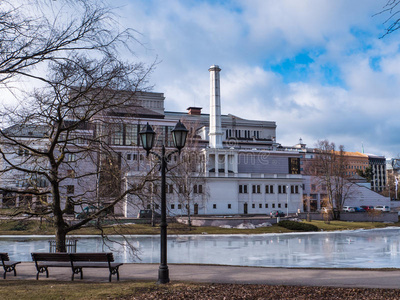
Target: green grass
(31, 227)
(342, 225)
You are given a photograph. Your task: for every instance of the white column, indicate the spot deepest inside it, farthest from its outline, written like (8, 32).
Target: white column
(226, 164)
(215, 133)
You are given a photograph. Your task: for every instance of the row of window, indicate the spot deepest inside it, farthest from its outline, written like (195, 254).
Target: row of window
(269, 189)
(197, 189)
(253, 205)
(247, 134)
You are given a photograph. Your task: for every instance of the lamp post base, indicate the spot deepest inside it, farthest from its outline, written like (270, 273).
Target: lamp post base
(163, 275)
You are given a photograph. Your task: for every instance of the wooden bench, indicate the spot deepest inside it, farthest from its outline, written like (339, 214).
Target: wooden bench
(75, 261)
(8, 265)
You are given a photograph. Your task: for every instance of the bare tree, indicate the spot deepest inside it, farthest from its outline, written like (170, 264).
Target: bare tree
(187, 177)
(392, 12)
(329, 171)
(58, 141)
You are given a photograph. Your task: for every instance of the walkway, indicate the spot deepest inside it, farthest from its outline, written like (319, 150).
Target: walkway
(229, 274)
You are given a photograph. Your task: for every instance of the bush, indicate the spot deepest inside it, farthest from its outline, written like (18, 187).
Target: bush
(292, 225)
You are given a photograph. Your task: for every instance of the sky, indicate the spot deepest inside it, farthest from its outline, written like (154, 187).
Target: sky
(318, 68)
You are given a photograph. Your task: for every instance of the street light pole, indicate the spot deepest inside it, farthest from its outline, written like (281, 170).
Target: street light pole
(163, 272)
(147, 135)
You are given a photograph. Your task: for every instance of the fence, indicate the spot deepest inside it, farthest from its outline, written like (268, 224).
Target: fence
(70, 246)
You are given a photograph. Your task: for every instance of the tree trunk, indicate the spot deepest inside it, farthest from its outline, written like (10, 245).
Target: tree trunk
(61, 238)
(336, 214)
(189, 219)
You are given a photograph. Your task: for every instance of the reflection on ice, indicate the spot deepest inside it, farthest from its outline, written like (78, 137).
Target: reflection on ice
(379, 248)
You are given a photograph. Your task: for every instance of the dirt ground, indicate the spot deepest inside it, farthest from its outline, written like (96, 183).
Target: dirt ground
(243, 291)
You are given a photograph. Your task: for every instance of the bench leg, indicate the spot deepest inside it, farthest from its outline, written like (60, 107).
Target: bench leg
(77, 271)
(112, 272)
(9, 269)
(42, 270)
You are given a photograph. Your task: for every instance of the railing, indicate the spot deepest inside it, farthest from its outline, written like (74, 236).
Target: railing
(69, 244)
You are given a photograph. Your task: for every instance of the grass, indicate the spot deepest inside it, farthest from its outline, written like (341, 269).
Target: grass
(33, 227)
(43, 290)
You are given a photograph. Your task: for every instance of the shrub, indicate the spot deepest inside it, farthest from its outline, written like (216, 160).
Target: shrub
(292, 225)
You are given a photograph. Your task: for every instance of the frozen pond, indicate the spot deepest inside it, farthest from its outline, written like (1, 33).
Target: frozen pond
(378, 248)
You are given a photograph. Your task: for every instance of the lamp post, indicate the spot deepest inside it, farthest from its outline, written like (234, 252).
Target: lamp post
(147, 136)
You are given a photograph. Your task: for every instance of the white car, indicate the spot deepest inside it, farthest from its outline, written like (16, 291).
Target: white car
(348, 209)
(382, 208)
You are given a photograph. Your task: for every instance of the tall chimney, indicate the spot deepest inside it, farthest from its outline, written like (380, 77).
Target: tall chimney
(215, 134)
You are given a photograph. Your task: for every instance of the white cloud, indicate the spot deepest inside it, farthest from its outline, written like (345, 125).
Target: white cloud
(358, 104)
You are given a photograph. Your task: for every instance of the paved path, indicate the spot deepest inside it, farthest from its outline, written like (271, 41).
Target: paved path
(228, 274)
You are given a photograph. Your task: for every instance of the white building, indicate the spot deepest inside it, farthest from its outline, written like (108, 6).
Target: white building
(243, 170)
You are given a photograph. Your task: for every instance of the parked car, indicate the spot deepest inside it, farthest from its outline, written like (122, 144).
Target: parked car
(382, 208)
(359, 209)
(277, 213)
(147, 213)
(87, 211)
(348, 209)
(367, 207)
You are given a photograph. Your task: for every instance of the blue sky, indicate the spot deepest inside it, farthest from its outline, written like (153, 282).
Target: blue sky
(316, 67)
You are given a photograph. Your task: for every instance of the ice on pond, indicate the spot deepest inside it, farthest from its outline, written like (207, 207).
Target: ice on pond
(378, 248)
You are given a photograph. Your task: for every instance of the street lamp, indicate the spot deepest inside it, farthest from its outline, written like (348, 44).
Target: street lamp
(147, 136)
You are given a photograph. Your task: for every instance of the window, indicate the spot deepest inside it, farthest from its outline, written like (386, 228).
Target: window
(198, 189)
(22, 152)
(71, 157)
(214, 206)
(148, 206)
(279, 205)
(269, 189)
(70, 189)
(179, 206)
(172, 206)
(294, 165)
(273, 205)
(243, 189)
(266, 205)
(285, 205)
(131, 134)
(229, 206)
(281, 189)
(169, 189)
(128, 156)
(256, 189)
(117, 134)
(260, 205)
